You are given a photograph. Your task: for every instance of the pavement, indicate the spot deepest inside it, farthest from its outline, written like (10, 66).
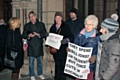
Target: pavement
(48, 67)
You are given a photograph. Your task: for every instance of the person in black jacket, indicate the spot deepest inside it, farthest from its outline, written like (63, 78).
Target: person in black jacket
(76, 24)
(14, 42)
(59, 27)
(3, 32)
(35, 31)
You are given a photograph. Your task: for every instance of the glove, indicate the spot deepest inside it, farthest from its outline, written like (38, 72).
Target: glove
(47, 34)
(92, 59)
(65, 41)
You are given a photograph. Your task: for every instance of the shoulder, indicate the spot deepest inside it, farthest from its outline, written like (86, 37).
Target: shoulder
(65, 25)
(81, 21)
(39, 22)
(27, 24)
(68, 21)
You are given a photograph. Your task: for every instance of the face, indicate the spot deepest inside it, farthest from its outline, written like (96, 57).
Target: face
(72, 15)
(89, 26)
(58, 19)
(32, 18)
(103, 30)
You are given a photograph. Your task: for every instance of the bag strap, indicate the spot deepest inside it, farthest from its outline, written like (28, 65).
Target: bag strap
(59, 31)
(87, 42)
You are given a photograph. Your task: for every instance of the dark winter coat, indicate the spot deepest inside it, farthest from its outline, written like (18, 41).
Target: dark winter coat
(76, 26)
(66, 33)
(35, 44)
(17, 45)
(3, 33)
(91, 41)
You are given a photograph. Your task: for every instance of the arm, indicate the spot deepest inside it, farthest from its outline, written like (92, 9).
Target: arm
(114, 62)
(25, 32)
(94, 53)
(43, 34)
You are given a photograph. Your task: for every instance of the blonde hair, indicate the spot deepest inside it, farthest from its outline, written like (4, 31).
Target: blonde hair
(14, 23)
(92, 18)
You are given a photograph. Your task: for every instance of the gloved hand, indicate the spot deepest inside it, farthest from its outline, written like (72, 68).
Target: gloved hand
(47, 34)
(65, 41)
(92, 59)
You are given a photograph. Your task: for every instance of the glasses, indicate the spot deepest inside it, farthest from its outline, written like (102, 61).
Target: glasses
(89, 24)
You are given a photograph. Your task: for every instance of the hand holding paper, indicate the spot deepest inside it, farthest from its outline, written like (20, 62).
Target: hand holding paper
(92, 59)
(65, 41)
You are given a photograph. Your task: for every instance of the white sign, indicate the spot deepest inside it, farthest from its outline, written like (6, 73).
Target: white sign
(77, 63)
(54, 40)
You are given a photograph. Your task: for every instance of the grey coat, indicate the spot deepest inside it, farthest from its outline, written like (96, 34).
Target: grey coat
(109, 64)
(35, 44)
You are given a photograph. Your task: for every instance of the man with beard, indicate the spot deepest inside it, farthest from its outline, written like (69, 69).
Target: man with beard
(74, 22)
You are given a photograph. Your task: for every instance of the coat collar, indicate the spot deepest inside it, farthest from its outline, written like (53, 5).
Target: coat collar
(93, 35)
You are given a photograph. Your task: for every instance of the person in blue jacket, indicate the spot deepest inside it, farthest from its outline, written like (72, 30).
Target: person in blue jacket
(89, 37)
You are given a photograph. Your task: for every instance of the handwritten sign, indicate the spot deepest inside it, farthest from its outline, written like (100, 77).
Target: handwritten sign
(77, 63)
(54, 40)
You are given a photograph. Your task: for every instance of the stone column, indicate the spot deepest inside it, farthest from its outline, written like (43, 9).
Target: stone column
(39, 10)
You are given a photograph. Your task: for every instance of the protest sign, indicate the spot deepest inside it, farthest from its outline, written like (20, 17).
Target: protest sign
(77, 63)
(54, 40)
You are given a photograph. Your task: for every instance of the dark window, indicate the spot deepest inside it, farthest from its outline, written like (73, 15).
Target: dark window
(68, 5)
(81, 8)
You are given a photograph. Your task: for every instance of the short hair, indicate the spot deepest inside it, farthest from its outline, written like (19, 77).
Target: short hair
(32, 12)
(92, 18)
(14, 23)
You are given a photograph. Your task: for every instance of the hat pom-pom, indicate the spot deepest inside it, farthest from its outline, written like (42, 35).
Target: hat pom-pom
(114, 16)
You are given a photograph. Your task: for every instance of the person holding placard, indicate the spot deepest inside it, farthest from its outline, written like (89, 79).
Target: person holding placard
(108, 59)
(89, 37)
(59, 27)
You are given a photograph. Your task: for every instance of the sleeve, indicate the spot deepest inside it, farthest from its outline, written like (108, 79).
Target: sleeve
(9, 38)
(69, 34)
(77, 39)
(114, 62)
(25, 32)
(43, 34)
(9, 41)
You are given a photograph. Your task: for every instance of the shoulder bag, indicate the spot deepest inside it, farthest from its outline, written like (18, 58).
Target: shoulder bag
(10, 56)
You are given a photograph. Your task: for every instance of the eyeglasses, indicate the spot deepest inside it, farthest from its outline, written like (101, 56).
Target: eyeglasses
(89, 24)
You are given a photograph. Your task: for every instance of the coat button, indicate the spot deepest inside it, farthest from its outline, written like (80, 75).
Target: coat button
(102, 71)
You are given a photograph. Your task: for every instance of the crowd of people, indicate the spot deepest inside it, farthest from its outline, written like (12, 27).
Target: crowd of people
(105, 57)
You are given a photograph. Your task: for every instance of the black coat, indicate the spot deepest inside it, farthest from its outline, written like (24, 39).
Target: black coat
(76, 26)
(16, 45)
(3, 33)
(66, 33)
(35, 44)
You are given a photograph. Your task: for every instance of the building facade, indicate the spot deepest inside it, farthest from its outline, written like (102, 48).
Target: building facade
(101, 8)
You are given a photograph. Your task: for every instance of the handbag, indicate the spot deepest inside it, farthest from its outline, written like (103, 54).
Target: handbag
(51, 49)
(10, 56)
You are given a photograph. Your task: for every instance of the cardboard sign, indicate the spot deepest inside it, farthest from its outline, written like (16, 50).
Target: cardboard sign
(54, 40)
(77, 63)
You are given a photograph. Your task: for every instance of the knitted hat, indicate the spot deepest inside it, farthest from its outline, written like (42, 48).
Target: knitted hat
(74, 10)
(111, 24)
(58, 14)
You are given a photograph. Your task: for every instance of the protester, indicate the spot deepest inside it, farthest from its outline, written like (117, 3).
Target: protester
(59, 27)
(34, 32)
(108, 59)
(76, 24)
(89, 37)
(3, 33)
(14, 42)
